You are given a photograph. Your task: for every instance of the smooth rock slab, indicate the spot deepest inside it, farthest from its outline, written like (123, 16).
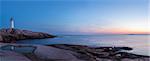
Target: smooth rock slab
(46, 52)
(12, 56)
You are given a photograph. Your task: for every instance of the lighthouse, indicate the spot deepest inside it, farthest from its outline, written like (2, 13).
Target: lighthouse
(12, 25)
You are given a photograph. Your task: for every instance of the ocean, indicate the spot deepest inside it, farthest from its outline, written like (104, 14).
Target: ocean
(139, 43)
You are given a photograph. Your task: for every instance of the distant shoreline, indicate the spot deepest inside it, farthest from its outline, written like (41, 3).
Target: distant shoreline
(138, 34)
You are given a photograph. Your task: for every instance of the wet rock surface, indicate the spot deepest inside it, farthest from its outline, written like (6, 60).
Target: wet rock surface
(11, 35)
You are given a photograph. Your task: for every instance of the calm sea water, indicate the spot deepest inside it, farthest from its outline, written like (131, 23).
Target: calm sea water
(140, 43)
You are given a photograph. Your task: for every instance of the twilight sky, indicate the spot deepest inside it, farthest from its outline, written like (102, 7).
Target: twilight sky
(77, 16)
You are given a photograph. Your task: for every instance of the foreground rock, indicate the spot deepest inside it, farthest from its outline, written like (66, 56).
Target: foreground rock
(42, 53)
(102, 53)
(63, 52)
(12, 56)
(10, 35)
(55, 54)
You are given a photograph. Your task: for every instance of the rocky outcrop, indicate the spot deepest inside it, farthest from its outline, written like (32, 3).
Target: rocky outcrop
(87, 53)
(64, 52)
(10, 35)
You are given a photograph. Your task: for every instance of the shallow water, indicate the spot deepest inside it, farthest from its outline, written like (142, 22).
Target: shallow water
(140, 43)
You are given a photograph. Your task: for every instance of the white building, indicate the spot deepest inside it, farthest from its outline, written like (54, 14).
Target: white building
(12, 25)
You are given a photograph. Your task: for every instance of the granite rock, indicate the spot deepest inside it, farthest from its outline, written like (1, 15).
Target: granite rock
(11, 35)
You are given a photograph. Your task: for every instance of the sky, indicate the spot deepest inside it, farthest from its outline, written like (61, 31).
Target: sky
(77, 16)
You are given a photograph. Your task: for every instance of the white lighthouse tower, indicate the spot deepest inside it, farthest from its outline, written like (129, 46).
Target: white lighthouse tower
(12, 25)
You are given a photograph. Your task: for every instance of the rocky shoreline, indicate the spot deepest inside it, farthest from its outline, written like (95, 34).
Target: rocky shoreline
(12, 35)
(65, 52)
(102, 53)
